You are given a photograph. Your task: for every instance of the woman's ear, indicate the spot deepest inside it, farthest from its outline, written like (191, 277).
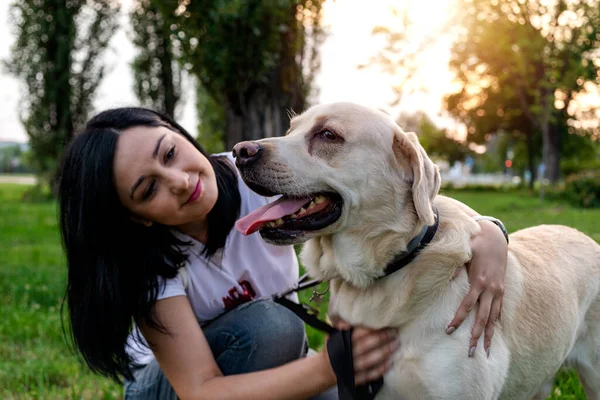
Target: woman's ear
(140, 220)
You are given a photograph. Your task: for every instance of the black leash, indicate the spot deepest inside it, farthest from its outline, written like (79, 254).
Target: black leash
(308, 314)
(339, 345)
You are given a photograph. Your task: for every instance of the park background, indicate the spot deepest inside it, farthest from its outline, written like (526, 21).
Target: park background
(503, 94)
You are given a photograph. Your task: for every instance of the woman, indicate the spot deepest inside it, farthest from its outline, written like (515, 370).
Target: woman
(147, 221)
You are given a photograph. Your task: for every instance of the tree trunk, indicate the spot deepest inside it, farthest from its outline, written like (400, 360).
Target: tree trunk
(551, 153)
(165, 57)
(531, 159)
(58, 95)
(263, 114)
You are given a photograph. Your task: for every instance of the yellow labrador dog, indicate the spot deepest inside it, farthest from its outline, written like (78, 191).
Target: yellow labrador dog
(357, 189)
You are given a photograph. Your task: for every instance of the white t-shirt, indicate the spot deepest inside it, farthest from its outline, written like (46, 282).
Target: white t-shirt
(246, 268)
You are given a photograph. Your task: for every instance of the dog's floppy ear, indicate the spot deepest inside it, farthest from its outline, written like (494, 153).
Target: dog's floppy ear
(425, 175)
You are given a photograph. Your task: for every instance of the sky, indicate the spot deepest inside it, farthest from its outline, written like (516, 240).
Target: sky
(349, 43)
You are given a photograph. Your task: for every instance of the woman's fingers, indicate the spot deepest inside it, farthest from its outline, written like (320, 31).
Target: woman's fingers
(491, 325)
(370, 375)
(372, 352)
(366, 340)
(481, 319)
(464, 309)
(488, 313)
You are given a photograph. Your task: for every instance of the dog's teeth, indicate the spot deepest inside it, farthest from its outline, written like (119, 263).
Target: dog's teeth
(271, 224)
(294, 215)
(312, 204)
(278, 222)
(302, 211)
(320, 199)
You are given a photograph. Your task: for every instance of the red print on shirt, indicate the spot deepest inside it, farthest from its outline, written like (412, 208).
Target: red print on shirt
(235, 298)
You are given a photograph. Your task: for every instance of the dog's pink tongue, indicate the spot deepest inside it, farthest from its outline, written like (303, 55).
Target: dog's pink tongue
(269, 212)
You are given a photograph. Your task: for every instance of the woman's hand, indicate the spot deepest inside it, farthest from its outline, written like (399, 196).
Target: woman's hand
(372, 351)
(486, 278)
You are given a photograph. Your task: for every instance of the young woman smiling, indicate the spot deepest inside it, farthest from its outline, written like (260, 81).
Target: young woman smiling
(163, 292)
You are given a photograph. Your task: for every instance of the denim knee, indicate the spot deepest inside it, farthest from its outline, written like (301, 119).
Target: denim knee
(150, 383)
(257, 335)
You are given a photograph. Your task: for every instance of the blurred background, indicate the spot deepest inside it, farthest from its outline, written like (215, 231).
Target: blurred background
(504, 95)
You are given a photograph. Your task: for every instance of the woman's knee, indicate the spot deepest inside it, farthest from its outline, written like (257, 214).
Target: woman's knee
(256, 336)
(279, 326)
(150, 383)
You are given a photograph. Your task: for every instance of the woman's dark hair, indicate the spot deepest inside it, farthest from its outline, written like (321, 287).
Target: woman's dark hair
(115, 264)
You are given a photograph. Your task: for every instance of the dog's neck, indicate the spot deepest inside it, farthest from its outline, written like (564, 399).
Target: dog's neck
(363, 257)
(413, 248)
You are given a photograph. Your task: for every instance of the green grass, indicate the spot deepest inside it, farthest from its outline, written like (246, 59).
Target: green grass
(35, 362)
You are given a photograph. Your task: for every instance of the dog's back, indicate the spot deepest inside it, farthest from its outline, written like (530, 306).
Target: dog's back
(551, 317)
(551, 311)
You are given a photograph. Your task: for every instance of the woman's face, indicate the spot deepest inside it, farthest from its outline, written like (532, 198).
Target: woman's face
(161, 177)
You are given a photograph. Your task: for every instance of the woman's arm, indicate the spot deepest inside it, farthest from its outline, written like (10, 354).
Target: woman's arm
(486, 278)
(187, 361)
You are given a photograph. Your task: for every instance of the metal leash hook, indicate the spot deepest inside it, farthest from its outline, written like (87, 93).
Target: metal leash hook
(318, 297)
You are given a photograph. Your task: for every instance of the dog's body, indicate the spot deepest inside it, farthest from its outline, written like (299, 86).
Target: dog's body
(551, 307)
(551, 314)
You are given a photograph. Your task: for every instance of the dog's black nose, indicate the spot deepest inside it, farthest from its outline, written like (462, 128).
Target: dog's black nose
(246, 153)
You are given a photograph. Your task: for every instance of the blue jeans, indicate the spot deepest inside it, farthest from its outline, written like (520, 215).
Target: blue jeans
(254, 336)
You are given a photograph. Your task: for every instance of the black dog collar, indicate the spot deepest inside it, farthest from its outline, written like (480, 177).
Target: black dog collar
(414, 248)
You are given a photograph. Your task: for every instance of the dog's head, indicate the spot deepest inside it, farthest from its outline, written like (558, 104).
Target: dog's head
(341, 167)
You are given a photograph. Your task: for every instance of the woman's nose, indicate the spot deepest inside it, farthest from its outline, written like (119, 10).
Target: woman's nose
(178, 181)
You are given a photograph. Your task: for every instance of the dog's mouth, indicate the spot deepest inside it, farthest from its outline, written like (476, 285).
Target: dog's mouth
(287, 219)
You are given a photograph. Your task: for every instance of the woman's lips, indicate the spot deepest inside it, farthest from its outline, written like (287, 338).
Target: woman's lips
(196, 193)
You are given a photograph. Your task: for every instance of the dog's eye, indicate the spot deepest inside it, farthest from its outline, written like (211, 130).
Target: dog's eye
(328, 135)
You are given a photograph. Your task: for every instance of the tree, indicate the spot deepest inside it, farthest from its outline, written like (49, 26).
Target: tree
(521, 65)
(500, 113)
(437, 142)
(157, 75)
(56, 54)
(212, 124)
(255, 59)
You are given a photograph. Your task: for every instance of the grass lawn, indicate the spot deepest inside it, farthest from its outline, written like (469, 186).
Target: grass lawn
(35, 362)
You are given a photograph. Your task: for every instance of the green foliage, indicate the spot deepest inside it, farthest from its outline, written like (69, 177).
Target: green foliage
(255, 59)
(157, 75)
(581, 153)
(211, 126)
(521, 64)
(56, 55)
(583, 189)
(231, 45)
(14, 159)
(436, 142)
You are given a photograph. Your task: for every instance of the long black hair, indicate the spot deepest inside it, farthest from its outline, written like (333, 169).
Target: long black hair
(114, 264)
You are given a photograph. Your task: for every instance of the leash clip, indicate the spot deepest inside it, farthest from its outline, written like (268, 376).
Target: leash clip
(318, 297)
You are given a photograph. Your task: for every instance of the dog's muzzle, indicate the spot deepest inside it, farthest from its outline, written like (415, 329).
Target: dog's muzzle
(246, 153)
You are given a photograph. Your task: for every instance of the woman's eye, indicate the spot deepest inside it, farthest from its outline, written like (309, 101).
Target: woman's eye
(170, 154)
(149, 190)
(328, 135)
